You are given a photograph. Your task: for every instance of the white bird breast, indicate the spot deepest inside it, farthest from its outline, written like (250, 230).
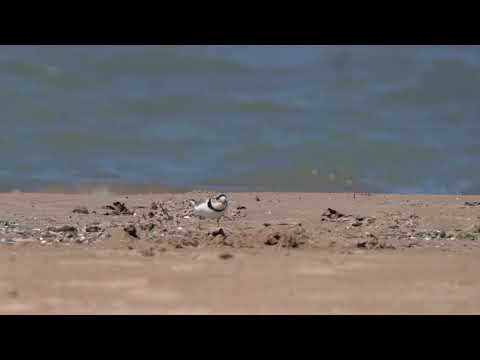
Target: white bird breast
(203, 210)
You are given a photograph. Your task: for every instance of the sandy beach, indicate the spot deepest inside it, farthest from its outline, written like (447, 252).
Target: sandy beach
(274, 253)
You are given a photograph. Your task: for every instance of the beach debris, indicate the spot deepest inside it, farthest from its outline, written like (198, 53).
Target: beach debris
(118, 208)
(63, 229)
(217, 232)
(80, 210)
(475, 228)
(273, 239)
(372, 242)
(363, 220)
(93, 228)
(472, 233)
(472, 203)
(131, 230)
(417, 237)
(291, 238)
(467, 236)
(332, 214)
(164, 214)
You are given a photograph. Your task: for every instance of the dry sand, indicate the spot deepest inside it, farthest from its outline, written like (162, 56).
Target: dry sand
(284, 254)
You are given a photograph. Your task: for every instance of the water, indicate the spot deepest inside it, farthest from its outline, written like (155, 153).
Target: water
(283, 118)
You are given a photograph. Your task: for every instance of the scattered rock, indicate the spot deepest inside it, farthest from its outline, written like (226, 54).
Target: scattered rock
(367, 243)
(63, 229)
(81, 239)
(93, 228)
(332, 214)
(131, 230)
(241, 207)
(472, 233)
(475, 229)
(217, 232)
(291, 238)
(257, 198)
(164, 214)
(372, 242)
(12, 293)
(80, 210)
(467, 236)
(118, 208)
(273, 239)
(154, 206)
(472, 203)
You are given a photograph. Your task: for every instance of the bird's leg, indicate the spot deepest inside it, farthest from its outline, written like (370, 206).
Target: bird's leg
(224, 228)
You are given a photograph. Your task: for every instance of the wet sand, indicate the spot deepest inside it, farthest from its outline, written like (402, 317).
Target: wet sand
(282, 253)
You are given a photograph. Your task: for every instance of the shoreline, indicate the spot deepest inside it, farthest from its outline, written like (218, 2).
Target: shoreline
(287, 252)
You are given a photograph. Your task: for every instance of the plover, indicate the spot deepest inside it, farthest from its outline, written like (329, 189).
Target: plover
(212, 208)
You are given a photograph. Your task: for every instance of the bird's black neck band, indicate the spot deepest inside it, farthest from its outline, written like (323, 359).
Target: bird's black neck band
(210, 206)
